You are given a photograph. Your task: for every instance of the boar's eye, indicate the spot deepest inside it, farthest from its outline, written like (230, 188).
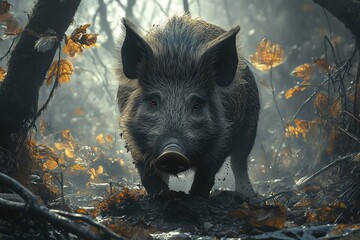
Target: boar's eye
(196, 105)
(153, 102)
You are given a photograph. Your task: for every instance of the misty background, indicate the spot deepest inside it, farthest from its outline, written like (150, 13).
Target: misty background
(87, 104)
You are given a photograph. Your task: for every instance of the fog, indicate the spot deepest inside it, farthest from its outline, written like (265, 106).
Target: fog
(299, 26)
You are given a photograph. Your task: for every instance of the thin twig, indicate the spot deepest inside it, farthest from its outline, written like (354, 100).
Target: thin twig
(161, 8)
(9, 50)
(326, 80)
(87, 219)
(55, 85)
(278, 109)
(274, 196)
(332, 164)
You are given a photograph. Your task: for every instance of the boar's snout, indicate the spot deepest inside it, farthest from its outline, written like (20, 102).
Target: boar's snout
(172, 159)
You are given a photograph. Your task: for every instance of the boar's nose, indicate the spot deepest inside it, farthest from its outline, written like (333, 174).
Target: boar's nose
(172, 159)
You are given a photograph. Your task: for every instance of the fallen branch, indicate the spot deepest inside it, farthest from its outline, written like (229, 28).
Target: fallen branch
(59, 219)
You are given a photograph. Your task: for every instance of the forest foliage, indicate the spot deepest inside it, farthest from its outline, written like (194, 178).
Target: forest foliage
(103, 169)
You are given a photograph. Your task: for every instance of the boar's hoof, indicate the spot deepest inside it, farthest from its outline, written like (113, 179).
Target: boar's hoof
(172, 160)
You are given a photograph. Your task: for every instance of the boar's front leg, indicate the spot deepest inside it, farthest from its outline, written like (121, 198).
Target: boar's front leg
(204, 180)
(151, 180)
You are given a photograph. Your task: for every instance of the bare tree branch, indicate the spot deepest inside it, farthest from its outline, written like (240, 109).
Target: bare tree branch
(105, 25)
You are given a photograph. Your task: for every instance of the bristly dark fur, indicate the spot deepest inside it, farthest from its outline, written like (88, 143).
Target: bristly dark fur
(187, 60)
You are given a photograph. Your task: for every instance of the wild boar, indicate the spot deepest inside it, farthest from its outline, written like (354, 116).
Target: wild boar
(187, 100)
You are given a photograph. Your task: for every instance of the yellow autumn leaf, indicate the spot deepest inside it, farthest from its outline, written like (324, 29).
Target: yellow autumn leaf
(2, 73)
(59, 146)
(78, 40)
(66, 134)
(100, 138)
(50, 165)
(93, 174)
(71, 47)
(69, 153)
(77, 167)
(304, 71)
(122, 162)
(268, 55)
(301, 128)
(100, 170)
(66, 69)
(290, 93)
(88, 40)
(109, 138)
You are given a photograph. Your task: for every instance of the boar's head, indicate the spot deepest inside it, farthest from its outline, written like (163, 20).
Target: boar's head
(176, 111)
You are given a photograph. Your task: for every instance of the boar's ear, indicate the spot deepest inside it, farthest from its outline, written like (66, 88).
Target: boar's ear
(134, 50)
(221, 55)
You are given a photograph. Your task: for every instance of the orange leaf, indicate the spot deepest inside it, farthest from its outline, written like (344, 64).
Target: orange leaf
(66, 69)
(2, 73)
(100, 138)
(303, 203)
(66, 134)
(336, 108)
(60, 146)
(80, 30)
(78, 167)
(304, 71)
(81, 211)
(268, 55)
(322, 64)
(79, 40)
(122, 162)
(321, 101)
(69, 153)
(71, 47)
(109, 138)
(290, 93)
(88, 40)
(100, 170)
(92, 173)
(50, 164)
(301, 127)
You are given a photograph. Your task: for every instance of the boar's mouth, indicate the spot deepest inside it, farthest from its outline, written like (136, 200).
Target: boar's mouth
(172, 160)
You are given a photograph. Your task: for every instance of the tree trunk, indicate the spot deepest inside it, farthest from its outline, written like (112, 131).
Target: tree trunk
(27, 68)
(347, 11)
